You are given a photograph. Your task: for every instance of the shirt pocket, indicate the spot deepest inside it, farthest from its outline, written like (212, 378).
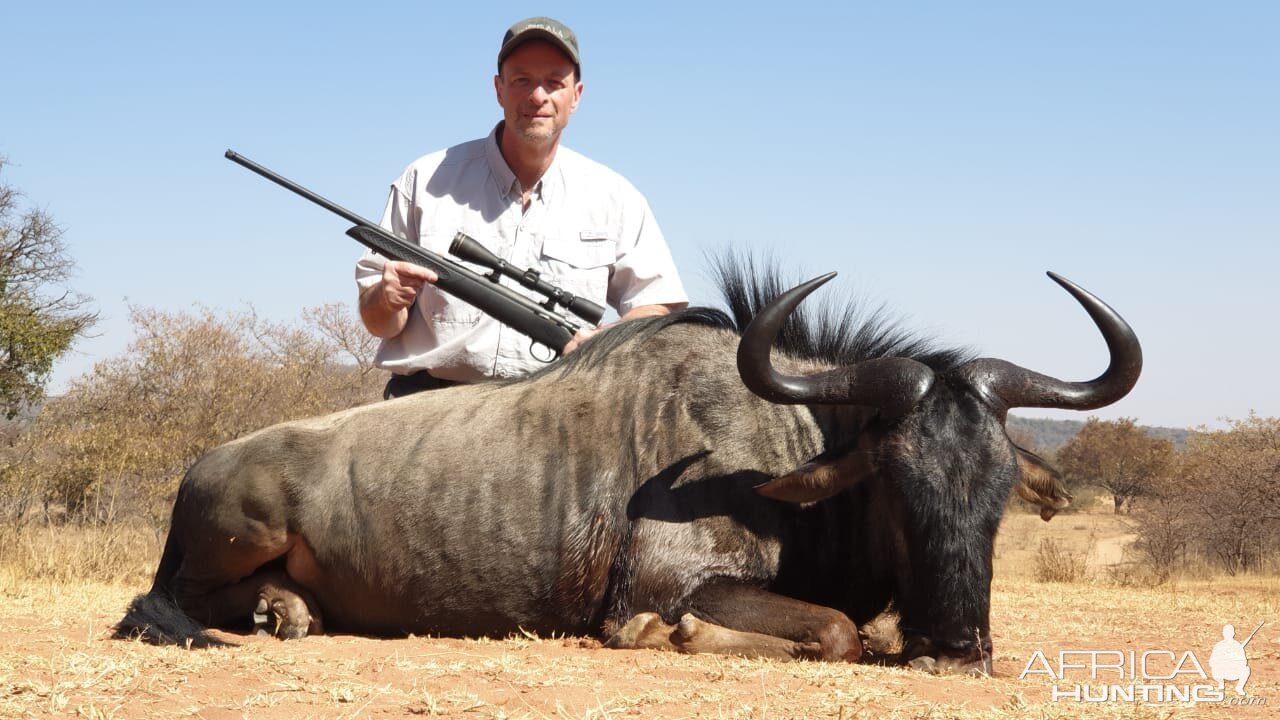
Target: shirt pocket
(437, 305)
(588, 250)
(580, 263)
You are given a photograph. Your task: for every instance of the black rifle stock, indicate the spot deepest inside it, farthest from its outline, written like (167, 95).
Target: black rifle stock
(541, 324)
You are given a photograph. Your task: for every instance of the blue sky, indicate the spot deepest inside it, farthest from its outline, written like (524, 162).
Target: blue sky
(941, 156)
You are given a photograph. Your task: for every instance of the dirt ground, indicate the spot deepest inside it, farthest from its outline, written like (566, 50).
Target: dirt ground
(56, 660)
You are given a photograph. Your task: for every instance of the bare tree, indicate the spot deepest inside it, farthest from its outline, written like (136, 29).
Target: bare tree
(336, 323)
(39, 316)
(1165, 522)
(188, 382)
(1233, 479)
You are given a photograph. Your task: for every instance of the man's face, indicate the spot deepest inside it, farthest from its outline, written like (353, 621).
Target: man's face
(538, 91)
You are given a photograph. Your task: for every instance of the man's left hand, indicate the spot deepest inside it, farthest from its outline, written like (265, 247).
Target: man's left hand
(580, 337)
(637, 312)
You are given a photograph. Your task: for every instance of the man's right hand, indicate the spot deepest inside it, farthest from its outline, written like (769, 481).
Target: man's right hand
(384, 306)
(401, 282)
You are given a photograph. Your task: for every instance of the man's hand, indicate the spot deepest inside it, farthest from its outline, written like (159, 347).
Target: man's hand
(384, 306)
(638, 312)
(401, 282)
(580, 337)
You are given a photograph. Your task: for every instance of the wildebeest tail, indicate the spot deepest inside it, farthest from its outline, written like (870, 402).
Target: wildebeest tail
(155, 617)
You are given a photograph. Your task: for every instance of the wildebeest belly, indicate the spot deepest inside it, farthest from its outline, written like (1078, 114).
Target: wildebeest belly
(491, 581)
(460, 555)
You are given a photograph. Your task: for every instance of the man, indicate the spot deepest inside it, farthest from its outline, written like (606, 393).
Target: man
(1228, 660)
(529, 201)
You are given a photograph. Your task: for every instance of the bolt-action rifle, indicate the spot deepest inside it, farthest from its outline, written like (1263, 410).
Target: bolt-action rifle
(541, 323)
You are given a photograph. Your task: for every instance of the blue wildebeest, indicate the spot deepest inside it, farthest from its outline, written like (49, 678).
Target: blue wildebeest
(646, 490)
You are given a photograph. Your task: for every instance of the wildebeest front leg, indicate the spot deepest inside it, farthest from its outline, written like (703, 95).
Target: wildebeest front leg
(731, 619)
(648, 631)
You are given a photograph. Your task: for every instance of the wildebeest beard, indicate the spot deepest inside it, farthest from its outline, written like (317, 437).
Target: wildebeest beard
(673, 483)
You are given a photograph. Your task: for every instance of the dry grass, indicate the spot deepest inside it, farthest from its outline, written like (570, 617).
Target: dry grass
(1056, 563)
(1100, 539)
(56, 660)
(123, 553)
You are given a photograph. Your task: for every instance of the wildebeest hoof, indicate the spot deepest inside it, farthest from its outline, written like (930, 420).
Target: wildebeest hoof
(951, 666)
(261, 618)
(285, 617)
(981, 668)
(921, 654)
(962, 666)
(881, 636)
(687, 629)
(924, 663)
(645, 630)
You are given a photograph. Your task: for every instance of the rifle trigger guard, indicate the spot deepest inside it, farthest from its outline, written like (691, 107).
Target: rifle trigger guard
(550, 354)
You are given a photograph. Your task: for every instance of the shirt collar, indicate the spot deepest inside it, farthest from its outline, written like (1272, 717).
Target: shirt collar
(498, 167)
(547, 186)
(552, 182)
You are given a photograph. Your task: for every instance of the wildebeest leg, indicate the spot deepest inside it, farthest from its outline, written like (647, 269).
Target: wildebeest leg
(754, 610)
(732, 619)
(647, 631)
(224, 587)
(276, 604)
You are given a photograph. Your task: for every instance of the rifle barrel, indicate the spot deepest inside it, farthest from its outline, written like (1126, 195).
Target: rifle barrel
(288, 184)
(1255, 632)
(542, 324)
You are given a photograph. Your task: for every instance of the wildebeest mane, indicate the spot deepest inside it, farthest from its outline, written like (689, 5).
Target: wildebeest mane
(601, 345)
(838, 332)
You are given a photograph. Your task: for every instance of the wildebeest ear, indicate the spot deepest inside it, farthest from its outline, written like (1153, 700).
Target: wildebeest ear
(1040, 484)
(821, 477)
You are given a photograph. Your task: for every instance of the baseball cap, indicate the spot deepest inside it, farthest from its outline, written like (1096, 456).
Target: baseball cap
(541, 28)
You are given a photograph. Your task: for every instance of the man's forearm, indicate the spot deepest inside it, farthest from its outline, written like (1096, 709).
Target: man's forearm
(642, 311)
(378, 318)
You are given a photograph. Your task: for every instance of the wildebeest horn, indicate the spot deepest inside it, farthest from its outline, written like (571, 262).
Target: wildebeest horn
(1013, 386)
(893, 385)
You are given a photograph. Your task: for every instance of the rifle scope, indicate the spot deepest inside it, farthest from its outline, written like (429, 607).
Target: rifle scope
(467, 248)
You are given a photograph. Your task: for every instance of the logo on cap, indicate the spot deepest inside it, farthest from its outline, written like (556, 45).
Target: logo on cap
(540, 28)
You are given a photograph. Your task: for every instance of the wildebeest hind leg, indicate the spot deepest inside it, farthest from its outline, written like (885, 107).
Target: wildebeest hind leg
(268, 599)
(239, 584)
